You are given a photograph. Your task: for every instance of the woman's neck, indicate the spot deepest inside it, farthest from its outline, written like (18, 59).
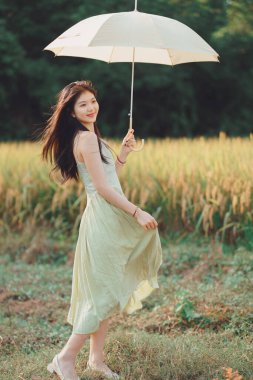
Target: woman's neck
(89, 126)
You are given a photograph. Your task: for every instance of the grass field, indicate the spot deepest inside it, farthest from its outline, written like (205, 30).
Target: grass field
(201, 185)
(197, 325)
(198, 322)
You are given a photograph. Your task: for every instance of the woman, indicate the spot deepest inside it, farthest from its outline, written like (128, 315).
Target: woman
(118, 251)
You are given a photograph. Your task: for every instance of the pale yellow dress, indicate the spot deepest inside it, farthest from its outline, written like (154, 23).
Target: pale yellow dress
(116, 260)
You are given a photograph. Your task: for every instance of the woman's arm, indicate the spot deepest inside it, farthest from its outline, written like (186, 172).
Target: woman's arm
(126, 148)
(118, 165)
(88, 148)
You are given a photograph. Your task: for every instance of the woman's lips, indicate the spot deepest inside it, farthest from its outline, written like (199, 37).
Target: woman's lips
(91, 115)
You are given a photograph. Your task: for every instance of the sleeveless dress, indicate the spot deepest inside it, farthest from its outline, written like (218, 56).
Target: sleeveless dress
(116, 260)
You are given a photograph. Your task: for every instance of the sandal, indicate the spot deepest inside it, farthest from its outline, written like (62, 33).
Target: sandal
(109, 374)
(54, 368)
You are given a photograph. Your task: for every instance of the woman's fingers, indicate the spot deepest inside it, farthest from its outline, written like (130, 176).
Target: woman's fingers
(130, 143)
(129, 137)
(129, 140)
(130, 134)
(151, 225)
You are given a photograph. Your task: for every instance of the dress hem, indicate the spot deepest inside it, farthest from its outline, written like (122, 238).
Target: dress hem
(125, 309)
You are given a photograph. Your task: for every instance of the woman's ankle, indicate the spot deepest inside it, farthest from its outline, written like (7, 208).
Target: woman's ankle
(97, 357)
(96, 360)
(66, 356)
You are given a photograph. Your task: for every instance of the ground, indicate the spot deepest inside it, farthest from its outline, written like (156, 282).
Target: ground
(197, 325)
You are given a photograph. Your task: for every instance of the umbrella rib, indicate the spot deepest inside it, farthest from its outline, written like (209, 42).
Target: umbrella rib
(168, 51)
(111, 54)
(155, 27)
(153, 22)
(59, 51)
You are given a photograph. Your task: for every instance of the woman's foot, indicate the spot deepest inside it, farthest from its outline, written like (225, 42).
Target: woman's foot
(103, 369)
(67, 367)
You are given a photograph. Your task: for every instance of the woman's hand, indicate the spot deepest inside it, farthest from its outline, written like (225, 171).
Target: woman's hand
(146, 220)
(128, 142)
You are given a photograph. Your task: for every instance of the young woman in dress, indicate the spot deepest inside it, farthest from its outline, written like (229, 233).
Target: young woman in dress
(118, 251)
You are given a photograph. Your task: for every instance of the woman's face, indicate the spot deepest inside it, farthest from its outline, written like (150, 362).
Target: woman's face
(86, 108)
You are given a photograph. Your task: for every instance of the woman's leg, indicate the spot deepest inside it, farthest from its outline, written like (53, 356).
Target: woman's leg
(97, 341)
(68, 354)
(96, 358)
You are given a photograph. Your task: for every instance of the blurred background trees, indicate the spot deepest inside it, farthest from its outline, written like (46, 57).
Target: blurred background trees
(185, 100)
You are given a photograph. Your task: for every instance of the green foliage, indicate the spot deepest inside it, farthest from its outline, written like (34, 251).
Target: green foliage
(185, 308)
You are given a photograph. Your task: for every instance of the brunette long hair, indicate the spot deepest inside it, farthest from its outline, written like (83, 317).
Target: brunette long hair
(61, 129)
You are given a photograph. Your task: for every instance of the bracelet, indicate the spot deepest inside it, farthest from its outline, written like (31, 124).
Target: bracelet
(121, 162)
(135, 211)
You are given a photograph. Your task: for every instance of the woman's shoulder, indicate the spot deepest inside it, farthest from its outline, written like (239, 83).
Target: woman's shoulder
(83, 134)
(90, 136)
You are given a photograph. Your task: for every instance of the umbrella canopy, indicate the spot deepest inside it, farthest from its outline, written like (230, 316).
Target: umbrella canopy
(133, 37)
(118, 37)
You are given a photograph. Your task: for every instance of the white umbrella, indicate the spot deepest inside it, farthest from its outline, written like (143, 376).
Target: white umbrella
(133, 37)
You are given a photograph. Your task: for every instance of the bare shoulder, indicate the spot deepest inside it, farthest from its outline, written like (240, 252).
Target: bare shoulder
(83, 135)
(87, 137)
(82, 141)
(87, 143)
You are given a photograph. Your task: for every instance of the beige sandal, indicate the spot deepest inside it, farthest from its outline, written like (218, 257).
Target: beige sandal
(108, 374)
(54, 368)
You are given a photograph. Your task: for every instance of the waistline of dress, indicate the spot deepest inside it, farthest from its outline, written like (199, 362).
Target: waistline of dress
(91, 194)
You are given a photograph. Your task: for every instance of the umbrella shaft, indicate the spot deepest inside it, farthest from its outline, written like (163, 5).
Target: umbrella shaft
(132, 91)
(130, 123)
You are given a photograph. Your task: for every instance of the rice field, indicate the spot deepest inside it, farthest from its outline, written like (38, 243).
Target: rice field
(201, 185)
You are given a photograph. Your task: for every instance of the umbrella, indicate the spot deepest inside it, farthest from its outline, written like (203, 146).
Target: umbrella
(133, 37)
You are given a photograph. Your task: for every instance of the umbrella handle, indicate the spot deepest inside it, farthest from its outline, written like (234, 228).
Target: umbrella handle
(140, 147)
(142, 140)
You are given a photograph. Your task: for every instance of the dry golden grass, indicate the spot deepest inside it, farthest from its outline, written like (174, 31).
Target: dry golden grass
(199, 184)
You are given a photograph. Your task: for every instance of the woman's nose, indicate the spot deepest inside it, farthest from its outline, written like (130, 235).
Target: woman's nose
(90, 108)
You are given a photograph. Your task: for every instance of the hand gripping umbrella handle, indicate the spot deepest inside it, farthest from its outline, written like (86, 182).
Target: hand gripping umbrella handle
(142, 140)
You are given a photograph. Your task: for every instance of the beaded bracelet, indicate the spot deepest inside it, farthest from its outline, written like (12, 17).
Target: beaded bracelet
(121, 162)
(135, 211)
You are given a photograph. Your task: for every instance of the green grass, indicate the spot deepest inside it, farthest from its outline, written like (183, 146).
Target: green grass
(199, 320)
